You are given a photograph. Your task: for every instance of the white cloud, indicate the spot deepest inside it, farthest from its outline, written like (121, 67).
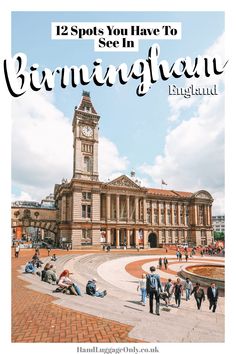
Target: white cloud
(42, 148)
(178, 103)
(193, 157)
(111, 164)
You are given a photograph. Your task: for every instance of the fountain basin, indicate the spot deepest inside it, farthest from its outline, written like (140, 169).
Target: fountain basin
(205, 274)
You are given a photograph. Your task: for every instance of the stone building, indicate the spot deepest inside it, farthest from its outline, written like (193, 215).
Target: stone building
(121, 212)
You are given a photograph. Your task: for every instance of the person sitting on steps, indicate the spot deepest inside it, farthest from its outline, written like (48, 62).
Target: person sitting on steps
(66, 283)
(91, 289)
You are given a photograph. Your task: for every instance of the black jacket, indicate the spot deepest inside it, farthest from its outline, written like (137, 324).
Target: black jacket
(210, 294)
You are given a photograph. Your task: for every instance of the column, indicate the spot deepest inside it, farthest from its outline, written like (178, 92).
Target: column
(195, 215)
(158, 213)
(153, 205)
(127, 207)
(117, 238)
(184, 214)
(136, 209)
(136, 237)
(172, 214)
(209, 215)
(178, 213)
(144, 210)
(117, 207)
(128, 238)
(109, 236)
(165, 213)
(145, 238)
(108, 206)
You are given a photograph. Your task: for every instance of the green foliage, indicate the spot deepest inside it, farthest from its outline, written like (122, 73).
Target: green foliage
(219, 236)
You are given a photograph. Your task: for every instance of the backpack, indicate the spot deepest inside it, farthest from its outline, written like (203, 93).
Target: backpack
(90, 288)
(153, 281)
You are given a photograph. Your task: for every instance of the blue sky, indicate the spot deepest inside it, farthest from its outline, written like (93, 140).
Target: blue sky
(139, 128)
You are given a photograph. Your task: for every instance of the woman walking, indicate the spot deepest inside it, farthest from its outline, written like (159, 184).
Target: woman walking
(198, 294)
(142, 286)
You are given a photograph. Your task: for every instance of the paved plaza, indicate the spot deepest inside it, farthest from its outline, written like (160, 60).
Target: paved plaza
(39, 315)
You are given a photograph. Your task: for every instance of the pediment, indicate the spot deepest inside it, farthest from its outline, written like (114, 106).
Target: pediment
(202, 195)
(123, 181)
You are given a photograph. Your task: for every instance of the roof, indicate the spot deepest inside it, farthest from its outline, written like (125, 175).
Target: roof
(169, 193)
(86, 103)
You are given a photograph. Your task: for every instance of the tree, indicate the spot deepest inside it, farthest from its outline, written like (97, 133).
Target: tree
(219, 236)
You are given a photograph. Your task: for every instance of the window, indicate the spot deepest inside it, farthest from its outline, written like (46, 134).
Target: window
(88, 164)
(86, 237)
(201, 214)
(168, 216)
(187, 215)
(182, 215)
(148, 215)
(86, 195)
(175, 214)
(86, 211)
(155, 216)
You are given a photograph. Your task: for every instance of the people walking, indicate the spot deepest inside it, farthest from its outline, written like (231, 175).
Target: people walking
(186, 256)
(188, 287)
(17, 250)
(165, 261)
(178, 291)
(49, 250)
(153, 289)
(142, 286)
(199, 295)
(212, 295)
(180, 256)
(160, 263)
(169, 290)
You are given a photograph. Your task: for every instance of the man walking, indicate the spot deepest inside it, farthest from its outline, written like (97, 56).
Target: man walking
(188, 287)
(212, 295)
(153, 289)
(198, 294)
(17, 250)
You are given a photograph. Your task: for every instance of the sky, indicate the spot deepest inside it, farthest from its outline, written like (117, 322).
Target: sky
(164, 137)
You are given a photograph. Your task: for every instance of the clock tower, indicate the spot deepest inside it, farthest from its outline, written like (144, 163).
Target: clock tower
(85, 144)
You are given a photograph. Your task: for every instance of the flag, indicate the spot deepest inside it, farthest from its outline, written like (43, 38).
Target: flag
(163, 182)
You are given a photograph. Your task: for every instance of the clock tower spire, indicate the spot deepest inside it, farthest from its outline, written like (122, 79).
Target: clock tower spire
(85, 142)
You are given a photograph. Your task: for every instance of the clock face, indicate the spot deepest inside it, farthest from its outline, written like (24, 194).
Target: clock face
(87, 131)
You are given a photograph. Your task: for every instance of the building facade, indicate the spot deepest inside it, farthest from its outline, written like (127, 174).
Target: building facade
(218, 223)
(121, 212)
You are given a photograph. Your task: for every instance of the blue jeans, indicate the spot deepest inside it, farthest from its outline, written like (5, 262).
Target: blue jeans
(77, 289)
(143, 295)
(187, 294)
(99, 294)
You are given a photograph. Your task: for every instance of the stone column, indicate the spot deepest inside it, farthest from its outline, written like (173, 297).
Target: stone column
(158, 213)
(184, 214)
(144, 210)
(172, 214)
(136, 209)
(117, 207)
(136, 237)
(109, 236)
(127, 207)
(128, 238)
(178, 213)
(117, 238)
(145, 238)
(152, 212)
(108, 206)
(165, 213)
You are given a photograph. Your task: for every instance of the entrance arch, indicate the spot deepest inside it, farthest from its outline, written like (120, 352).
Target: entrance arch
(152, 239)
